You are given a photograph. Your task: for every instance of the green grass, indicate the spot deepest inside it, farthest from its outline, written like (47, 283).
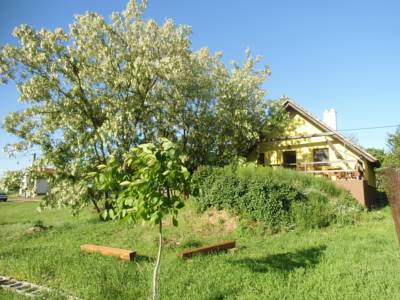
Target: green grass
(8, 295)
(360, 261)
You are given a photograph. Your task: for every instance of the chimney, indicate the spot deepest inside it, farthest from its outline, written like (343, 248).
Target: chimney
(329, 118)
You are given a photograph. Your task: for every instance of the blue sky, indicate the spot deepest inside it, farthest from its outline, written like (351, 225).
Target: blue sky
(323, 54)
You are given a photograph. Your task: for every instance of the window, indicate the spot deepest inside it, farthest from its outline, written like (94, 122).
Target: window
(321, 155)
(261, 159)
(289, 159)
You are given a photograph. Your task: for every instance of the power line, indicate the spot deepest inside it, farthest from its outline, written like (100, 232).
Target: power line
(369, 128)
(32, 151)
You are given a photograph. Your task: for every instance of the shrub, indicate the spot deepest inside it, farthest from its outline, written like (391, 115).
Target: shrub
(277, 198)
(315, 212)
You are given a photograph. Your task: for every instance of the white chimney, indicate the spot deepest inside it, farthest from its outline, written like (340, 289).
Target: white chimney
(329, 118)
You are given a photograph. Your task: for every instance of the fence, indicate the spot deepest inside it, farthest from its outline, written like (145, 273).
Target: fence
(392, 186)
(340, 169)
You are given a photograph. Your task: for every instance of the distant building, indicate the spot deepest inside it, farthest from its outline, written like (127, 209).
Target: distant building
(39, 183)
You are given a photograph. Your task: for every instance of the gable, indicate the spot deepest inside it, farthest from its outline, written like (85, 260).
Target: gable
(301, 126)
(305, 124)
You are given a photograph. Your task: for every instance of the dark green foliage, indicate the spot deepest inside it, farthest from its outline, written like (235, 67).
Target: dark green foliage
(393, 158)
(276, 198)
(381, 155)
(313, 213)
(268, 200)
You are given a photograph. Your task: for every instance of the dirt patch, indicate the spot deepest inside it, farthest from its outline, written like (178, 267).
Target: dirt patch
(171, 242)
(37, 228)
(220, 218)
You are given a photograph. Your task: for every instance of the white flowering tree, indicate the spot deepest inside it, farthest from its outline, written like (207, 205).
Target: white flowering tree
(104, 87)
(11, 181)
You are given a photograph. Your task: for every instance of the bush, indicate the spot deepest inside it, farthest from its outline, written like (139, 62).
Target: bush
(277, 198)
(315, 212)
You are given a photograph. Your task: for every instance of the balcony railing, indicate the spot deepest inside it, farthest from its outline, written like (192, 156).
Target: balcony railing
(340, 169)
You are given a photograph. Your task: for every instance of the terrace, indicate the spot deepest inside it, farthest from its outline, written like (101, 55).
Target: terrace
(334, 169)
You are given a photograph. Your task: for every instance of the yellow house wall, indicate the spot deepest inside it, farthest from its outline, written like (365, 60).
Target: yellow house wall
(299, 126)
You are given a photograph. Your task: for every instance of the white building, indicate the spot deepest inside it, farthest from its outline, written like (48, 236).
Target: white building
(40, 185)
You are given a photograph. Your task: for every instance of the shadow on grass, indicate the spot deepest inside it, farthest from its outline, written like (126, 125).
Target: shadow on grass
(380, 202)
(143, 258)
(191, 244)
(284, 262)
(222, 294)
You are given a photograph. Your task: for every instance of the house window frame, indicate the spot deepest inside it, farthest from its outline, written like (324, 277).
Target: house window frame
(286, 165)
(321, 162)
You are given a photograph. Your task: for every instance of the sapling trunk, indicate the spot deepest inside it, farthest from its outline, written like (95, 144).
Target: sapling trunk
(96, 206)
(157, 266)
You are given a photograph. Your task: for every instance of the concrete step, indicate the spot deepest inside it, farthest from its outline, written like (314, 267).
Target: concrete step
(28, 289)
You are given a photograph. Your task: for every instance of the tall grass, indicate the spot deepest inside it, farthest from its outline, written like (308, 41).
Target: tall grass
(360, 261)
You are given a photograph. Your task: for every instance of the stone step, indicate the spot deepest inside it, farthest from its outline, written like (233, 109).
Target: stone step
(28, 289)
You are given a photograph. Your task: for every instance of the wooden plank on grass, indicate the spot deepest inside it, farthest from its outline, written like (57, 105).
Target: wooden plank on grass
(207, 249)
(108, 251)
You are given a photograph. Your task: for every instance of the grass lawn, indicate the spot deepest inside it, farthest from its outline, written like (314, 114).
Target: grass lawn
(360, 261)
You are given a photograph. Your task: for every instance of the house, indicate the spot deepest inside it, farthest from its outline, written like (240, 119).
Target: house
(314, 147)
(34, 185)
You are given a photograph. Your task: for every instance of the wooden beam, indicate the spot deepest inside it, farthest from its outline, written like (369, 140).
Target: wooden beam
(306, 136)
(331, 171)
(108, 251)
(317, 163)
(207, 249)
(338, 154)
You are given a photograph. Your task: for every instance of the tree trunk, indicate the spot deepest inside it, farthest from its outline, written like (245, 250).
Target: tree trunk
(96, 206)
(157, 266)
(93, 198)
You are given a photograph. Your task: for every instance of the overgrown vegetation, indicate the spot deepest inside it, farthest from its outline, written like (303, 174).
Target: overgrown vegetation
(277, 198)
(389, 159)
(381, 155)
(393, 156)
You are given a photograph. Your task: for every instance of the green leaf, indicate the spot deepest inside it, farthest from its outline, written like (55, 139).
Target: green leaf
(179, 204)
(92, 174)
(139, 181)
(156, 217)
(128, 201)
(104, 214)
(125, 183)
